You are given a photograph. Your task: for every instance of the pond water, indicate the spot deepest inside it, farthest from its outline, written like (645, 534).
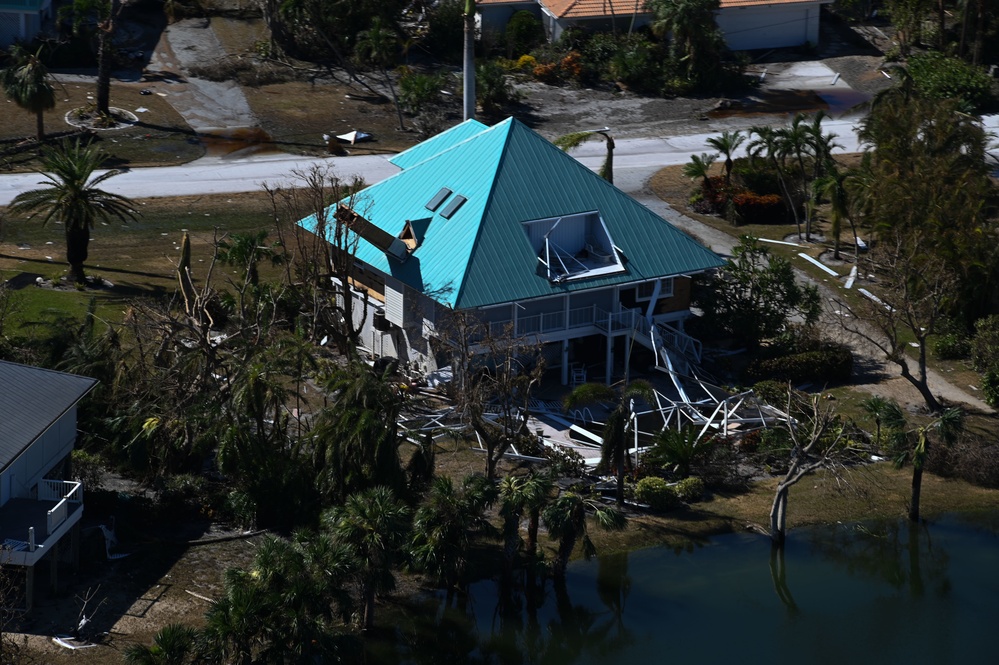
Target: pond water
(849, 593)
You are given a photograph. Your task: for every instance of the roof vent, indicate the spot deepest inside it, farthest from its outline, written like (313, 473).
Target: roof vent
(438, 199)
(453, 206)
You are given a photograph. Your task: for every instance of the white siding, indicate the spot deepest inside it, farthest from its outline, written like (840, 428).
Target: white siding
(773, 26)
(394, 301)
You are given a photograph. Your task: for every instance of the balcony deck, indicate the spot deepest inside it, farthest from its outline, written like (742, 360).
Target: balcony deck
(51, 517)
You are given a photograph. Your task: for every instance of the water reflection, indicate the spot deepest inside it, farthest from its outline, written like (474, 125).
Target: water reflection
(880, 591)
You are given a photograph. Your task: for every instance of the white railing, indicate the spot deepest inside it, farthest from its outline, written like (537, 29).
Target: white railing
(65, 492)
(54, 490)
(582, 316)
(616, 321)
(541, 323)
(56, 516)
(579, 317)
(684, 344)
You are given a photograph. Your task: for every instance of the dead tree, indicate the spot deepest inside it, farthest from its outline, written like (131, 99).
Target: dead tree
(817, 439)
(494, 375)
(322, 262)
(913, 292)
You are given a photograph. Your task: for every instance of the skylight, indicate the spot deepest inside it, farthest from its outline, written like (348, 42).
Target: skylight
(573, 247)
(452, 206)
(438, 199)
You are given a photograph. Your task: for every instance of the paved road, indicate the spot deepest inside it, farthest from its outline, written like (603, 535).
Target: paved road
(634, 161)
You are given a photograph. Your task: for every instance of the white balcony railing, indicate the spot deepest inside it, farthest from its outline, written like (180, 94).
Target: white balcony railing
(65, 493)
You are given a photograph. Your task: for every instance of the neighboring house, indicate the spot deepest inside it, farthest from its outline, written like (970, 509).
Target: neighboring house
(499, 223)
(39, 509)
(760, 24)
(746, 24)
(21, 20)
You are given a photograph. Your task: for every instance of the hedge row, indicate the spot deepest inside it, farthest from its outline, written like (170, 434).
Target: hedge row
(832, 364)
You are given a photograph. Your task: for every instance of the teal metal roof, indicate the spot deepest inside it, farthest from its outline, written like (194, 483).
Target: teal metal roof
(481, 255)
(438, 143)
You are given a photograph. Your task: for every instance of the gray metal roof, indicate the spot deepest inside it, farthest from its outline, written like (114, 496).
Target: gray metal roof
(31, 400)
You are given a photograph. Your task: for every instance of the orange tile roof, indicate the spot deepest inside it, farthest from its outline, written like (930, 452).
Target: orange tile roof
(594, 8)
(597, 8)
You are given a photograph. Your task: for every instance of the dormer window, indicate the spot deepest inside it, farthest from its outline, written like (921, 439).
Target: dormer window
(574, 247)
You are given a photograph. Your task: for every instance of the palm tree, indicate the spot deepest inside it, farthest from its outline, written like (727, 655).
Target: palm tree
(73, 198)
(520, 494)
(727, 144)
(679, 448)
(376, 526)
(699, 166)
(569, 141)
(26, 82)
(379, 45)
(619, 422)
(833, 186)
(565, 519)
(355, 439)
(769, 145)
(173, 645)
(104, 15)
(886, 413)
(235, 624)
(246, 250)
(795, 142)
(444, 524)
(695, 40)
(947, 426)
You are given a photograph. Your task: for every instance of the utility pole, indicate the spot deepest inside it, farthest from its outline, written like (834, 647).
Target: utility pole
(468, 97)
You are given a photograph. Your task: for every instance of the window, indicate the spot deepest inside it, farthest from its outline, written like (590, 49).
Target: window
(453, 206)
(644, 291)
(438, 199)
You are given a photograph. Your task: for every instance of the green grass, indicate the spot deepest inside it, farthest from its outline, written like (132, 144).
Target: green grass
(139, 259)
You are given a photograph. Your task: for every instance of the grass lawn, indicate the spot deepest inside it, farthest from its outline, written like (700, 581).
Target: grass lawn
(160, 137)
(139, 259)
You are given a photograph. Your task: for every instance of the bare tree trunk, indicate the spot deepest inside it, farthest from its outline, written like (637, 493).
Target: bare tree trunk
(917, 489)
(105, 51)
(778, 516)
(40, 125)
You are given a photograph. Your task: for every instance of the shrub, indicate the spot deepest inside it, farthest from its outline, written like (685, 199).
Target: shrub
(548, 72)
(637, 64)
(571, 65)
(565, 462)
(524, 33)
(756, 209)
(492, 89)
(657, 493)
(418, 91)
(600, 49)
(690, 490)
(939, 76)
(951, 346)
(772, 392)
(990, 387)
(832, 364)
(775, 441)
(985, 344)
(88, 469)
(445, 30)
(526, 63)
